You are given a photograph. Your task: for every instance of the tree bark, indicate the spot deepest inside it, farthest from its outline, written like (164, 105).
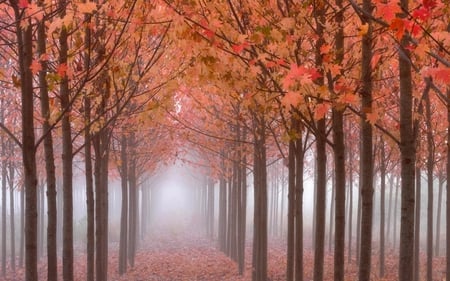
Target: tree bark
(382, 207)
(321, 161)
(52, 270)
(24, 36)
(408, 160)
(259, 272)
(67, 169)
(291, 212)
(12, 213)
(430, 176)
(299, 167)
(438, 217)
(124, 208)
(366, 157)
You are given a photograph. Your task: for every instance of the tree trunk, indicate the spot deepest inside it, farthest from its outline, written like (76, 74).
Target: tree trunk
(321, 161)
(124, 208)
(447, 208)
(339, 159)
(438, 217)
(388, 231)
(90, 203)
(259, 269)
(339, 170)
(291, 212)
(4, 186)
(350, 207)
(222, 228)
(67, 169)
(408, 160)
(101, 150)
(299, 158)
(52, 270)
(417, 219)
(366, 157)
(382, 206)
(397, 187)
(134, 202)
(331, 217)
(25, 54)
(430, 170)
(12, 213)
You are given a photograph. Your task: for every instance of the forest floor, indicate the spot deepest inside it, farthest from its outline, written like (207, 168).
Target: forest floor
(186, 256)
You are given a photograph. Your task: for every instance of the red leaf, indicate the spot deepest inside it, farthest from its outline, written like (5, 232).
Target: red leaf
(23, 4)
(422, 14)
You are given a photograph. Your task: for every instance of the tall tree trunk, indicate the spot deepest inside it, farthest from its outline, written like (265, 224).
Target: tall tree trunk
(388, 231)
(12, 212)
(124, 208)
(366, 157)
(438, 217)
(430, 176)
(101, 150)
(134, 202)
(22, 227)
(24, 36)
(67, 157)
(447, 208)
(339, 170)
(299, 166)
(4, 187)
(321, 161)
(260, 193)
(339, 159)
(222, 228)
(382, 206)
(408, 160)
(331, 217)
(242, 219)
(417, 220)
(90, 203)
(350, 207)
(291, 212)
(397, 187)
(52, 270)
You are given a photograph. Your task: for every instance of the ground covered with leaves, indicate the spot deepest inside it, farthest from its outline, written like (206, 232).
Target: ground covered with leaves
(184, 256)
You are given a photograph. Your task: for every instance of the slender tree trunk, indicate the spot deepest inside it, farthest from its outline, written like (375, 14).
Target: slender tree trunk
(366, 157)
(52, 270)
(339, 159)
(222, 228)
(67, 169)
(339, 170)
(430, 176)
(321, 161)
(4, 186)
(90, 203)
(299, 166)
(350, 207)
(417, 226)
(22, 227)
(24, 36)
(438, 217)
(134, 202)
(408, 160)
(291, 212)
(259, 272)
(242, 216)
(388, 231)
(382, 206)
(124, 208)
(397, 187)
(447, 208)
(331, 217)
(12, 213)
